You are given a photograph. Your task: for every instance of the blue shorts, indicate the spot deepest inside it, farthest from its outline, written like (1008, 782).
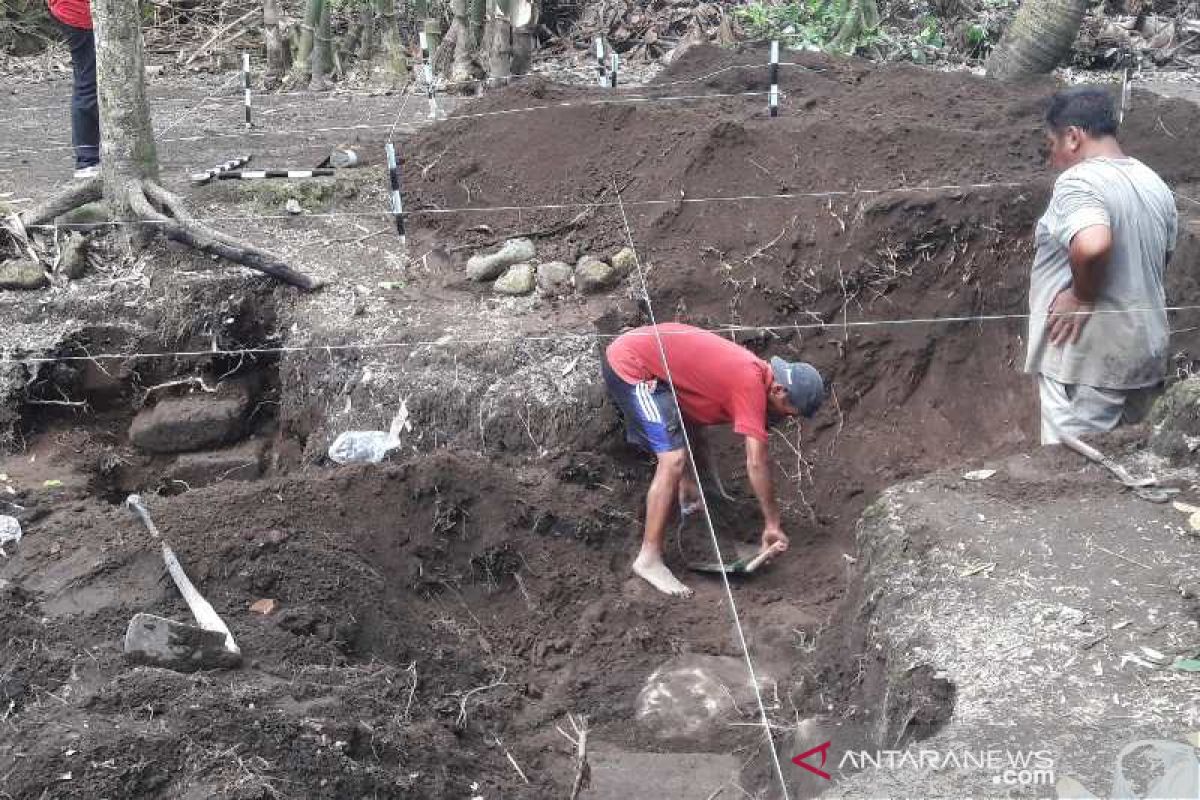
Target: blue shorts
(651, 416)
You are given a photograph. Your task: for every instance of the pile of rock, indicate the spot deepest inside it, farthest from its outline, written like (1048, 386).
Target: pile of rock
(515, 271)
(202, 431)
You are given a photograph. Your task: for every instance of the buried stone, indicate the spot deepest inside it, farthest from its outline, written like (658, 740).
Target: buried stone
(514, 251)
(195, 422)
(22, 274)
(593, 275)
(555, 278)
(624, 261)
(517, 280)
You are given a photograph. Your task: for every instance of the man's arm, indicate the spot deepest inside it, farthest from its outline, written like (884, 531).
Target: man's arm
(758, 467)
(1088, 253)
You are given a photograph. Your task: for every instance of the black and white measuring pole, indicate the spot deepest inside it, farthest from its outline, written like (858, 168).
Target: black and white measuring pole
(394, 183)
(614, 62)
(259, 174)
(601, 67)
(427, 68)
(246, 85)
(209, 174)
(773, 94)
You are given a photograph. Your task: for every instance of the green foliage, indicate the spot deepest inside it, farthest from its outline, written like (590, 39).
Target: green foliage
(931, 33)
(837, 25)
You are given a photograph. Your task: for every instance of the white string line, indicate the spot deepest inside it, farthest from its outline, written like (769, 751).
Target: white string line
(583, 206)
(447, 340)
(821, 195)
(614, 101)
(338, 93)
(400, 111)
(564, 104)
(190, 111)
(712, 531)
(201, 137)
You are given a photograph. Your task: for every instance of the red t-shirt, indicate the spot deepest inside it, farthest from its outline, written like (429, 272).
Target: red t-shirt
(717, 381)
(76, 13)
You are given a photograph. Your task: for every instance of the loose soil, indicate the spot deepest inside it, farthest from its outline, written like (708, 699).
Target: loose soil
(453, 605)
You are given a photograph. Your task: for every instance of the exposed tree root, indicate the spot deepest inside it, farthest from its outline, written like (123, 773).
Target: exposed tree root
(75, 195)
(165, 213)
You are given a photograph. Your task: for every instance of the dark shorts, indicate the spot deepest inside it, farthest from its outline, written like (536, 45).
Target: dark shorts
(651, 416)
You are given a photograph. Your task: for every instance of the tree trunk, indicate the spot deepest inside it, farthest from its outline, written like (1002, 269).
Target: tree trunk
(312, 20)
(277, 62)
(499, 47)
(322, 51)
(463, 44)
(366, 48)
(478, 12)
(127, 152)
(522, 49)
(129, 162)
(397, 59)
(858, 17)
(1039, 36)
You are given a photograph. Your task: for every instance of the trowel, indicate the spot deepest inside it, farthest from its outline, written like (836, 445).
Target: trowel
(742, 566)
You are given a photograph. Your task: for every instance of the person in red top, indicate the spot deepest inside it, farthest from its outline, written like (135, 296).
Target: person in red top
(717, 382)
(75, 19)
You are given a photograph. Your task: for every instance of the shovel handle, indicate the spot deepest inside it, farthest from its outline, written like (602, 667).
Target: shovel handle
(134, 503)
(758, 560)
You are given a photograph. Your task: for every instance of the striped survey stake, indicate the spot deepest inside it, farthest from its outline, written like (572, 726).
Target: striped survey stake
(427, 68)
(209, 174)
(259, 174)
(394, 183)
(773, 95)
(246, 85)
(601, 67)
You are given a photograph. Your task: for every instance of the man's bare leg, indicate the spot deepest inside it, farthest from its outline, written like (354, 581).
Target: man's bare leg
(660, 501)
(689, 492)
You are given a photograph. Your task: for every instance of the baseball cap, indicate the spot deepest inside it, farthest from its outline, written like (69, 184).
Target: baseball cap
(805, 389)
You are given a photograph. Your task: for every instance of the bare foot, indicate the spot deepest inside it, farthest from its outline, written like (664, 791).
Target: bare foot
(650, 566)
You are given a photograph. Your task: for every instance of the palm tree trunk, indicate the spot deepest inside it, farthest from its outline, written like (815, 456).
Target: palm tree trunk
(1039, 36)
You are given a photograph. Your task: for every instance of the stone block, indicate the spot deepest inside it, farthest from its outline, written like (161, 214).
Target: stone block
(555, 278)
(194, 422)
(488, 267)
(243, 462)
(518, 280)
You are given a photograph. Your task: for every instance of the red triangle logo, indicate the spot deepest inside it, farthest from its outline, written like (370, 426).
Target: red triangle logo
(823, 749)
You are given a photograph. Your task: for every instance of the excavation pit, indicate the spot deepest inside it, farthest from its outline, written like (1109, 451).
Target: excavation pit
(436, 616)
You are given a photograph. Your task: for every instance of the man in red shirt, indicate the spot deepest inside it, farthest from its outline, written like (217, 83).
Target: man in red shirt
(717, 382)
(75, 19)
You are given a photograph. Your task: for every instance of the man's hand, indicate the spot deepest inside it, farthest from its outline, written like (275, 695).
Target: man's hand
(1068, 315)
(773, 536)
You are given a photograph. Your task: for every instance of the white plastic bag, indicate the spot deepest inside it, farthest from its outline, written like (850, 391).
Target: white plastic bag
(10, 531)
(1180, 776)
(369, 447)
